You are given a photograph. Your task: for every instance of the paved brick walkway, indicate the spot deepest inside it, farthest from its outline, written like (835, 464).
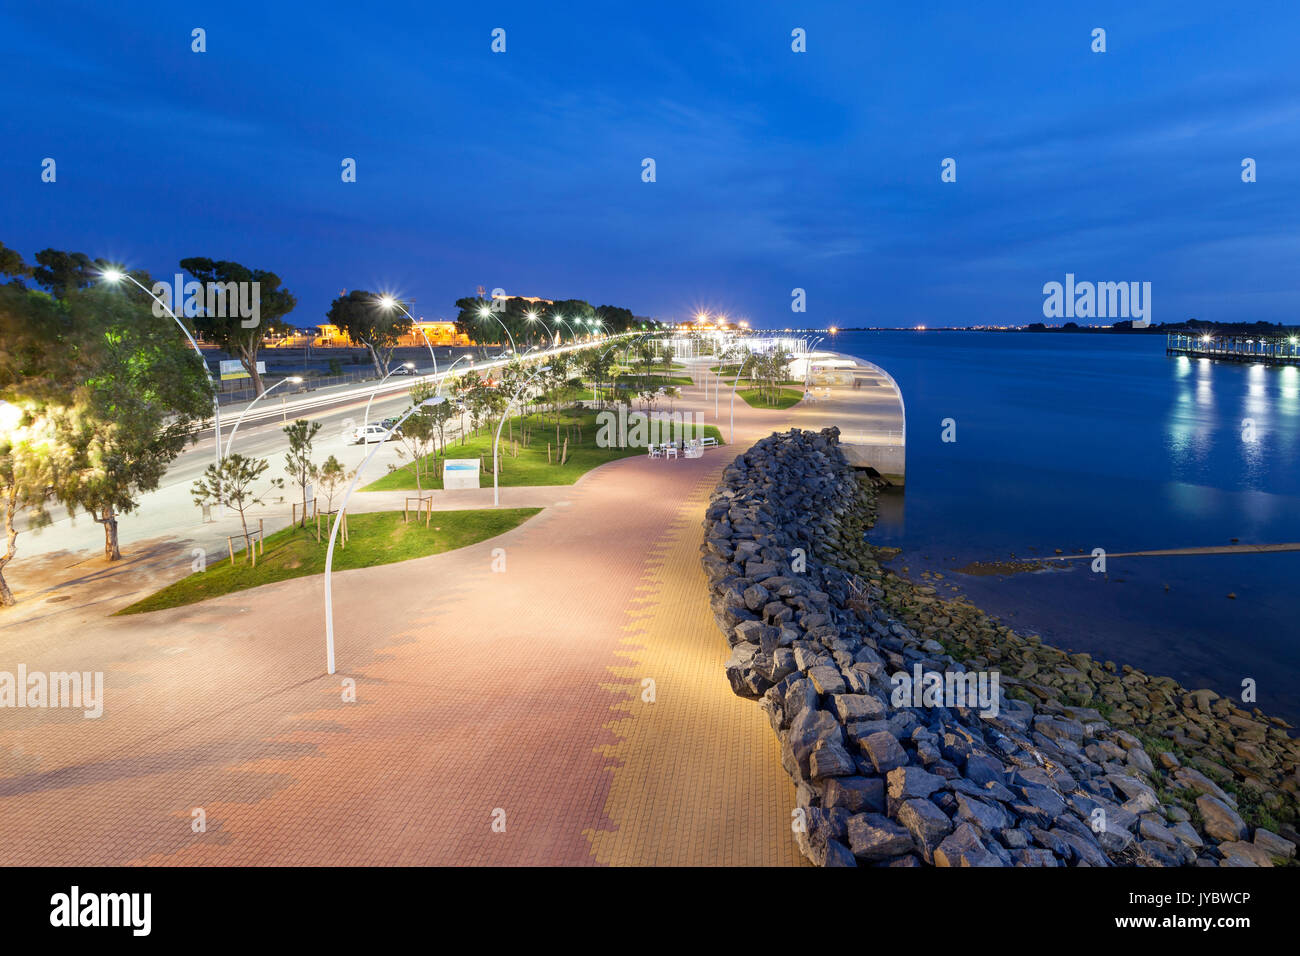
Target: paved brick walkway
(480, 696)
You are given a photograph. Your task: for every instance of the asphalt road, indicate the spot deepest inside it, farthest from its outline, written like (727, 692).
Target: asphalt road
(266, 439)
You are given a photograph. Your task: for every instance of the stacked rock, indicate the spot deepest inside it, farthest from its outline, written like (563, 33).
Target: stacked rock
(897, 760)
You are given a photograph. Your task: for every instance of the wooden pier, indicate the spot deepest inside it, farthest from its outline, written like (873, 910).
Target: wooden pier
(1268, 348)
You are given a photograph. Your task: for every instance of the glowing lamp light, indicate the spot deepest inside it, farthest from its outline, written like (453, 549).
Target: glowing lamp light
(10, 415)
(111, 275)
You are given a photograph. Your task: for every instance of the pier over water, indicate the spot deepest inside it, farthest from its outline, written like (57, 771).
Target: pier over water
(1270, 348)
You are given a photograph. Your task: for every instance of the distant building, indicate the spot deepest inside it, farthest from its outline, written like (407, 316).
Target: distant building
(525, 298)
(440, 332)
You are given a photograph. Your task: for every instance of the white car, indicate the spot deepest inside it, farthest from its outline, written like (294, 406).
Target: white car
(365, 434)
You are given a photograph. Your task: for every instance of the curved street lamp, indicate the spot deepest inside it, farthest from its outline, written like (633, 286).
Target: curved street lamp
(114, 276)
(388, 302)
(734, 386)
(613, 346)
(447, 374)
(567, 326)
(231, 439)
(496, 461)
(486, 312)
(366, 421)
(807, 371)
(334, 529)
(532, 318)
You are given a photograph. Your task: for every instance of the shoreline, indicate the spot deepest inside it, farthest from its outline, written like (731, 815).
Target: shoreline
(1180, 777)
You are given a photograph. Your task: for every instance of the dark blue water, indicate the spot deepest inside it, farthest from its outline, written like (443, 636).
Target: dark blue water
(1101, 441)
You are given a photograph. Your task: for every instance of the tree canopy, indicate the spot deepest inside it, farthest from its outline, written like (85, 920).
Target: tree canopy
(239, 337)
(366, 322)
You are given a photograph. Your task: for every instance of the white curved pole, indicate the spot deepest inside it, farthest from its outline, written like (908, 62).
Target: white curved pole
(513, 348)
(446, 375)
(334, 530)
(567, 326)
(416, 323)
(807, 372)
(366, 420)
(496, 464)
(230, 440)
(602, 355)
(732, 439)
(216, 395)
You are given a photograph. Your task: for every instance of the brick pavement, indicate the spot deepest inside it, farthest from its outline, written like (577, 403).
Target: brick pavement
(476, 692)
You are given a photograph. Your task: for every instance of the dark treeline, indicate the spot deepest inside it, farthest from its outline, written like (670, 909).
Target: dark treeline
(532, 323)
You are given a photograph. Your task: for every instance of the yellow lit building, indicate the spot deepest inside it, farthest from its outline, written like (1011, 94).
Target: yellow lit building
(439, 332)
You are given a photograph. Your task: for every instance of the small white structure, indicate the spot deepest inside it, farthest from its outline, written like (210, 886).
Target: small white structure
(460, 473)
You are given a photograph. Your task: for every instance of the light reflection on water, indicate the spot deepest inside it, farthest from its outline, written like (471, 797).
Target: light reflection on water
(1082, 441)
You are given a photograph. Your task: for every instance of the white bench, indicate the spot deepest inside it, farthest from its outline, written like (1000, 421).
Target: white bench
(708, 442)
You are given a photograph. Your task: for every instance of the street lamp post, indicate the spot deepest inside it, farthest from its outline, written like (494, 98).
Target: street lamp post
(616, 344)
(388, 302)
(496, 462)
(567, 326)
(807, 365)
(334, 530)
(446, 375)
(734, 386)
(231, 439)
(114, 276)
(366, 420)
(487, 312)
(732, 439)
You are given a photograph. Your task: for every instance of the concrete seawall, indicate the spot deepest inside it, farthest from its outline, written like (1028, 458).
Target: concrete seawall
(864, 402)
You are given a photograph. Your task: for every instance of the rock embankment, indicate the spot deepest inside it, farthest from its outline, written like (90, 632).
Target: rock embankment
(918, 731)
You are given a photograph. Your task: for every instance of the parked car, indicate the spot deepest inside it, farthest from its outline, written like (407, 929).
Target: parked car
(365, 434)
(402, 370)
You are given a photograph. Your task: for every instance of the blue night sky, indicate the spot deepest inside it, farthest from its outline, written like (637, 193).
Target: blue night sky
(775, 170)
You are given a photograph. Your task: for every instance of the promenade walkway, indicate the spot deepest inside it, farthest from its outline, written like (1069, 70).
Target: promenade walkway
(518, 698)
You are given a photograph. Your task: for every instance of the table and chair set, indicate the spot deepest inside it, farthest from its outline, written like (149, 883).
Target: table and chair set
(691, 449)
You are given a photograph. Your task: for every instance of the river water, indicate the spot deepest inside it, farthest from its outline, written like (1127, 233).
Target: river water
(1077, 441)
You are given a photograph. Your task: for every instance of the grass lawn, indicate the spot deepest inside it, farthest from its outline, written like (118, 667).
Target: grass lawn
(377, 538)
(754, 398)
(531, 467)
(652, 381)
